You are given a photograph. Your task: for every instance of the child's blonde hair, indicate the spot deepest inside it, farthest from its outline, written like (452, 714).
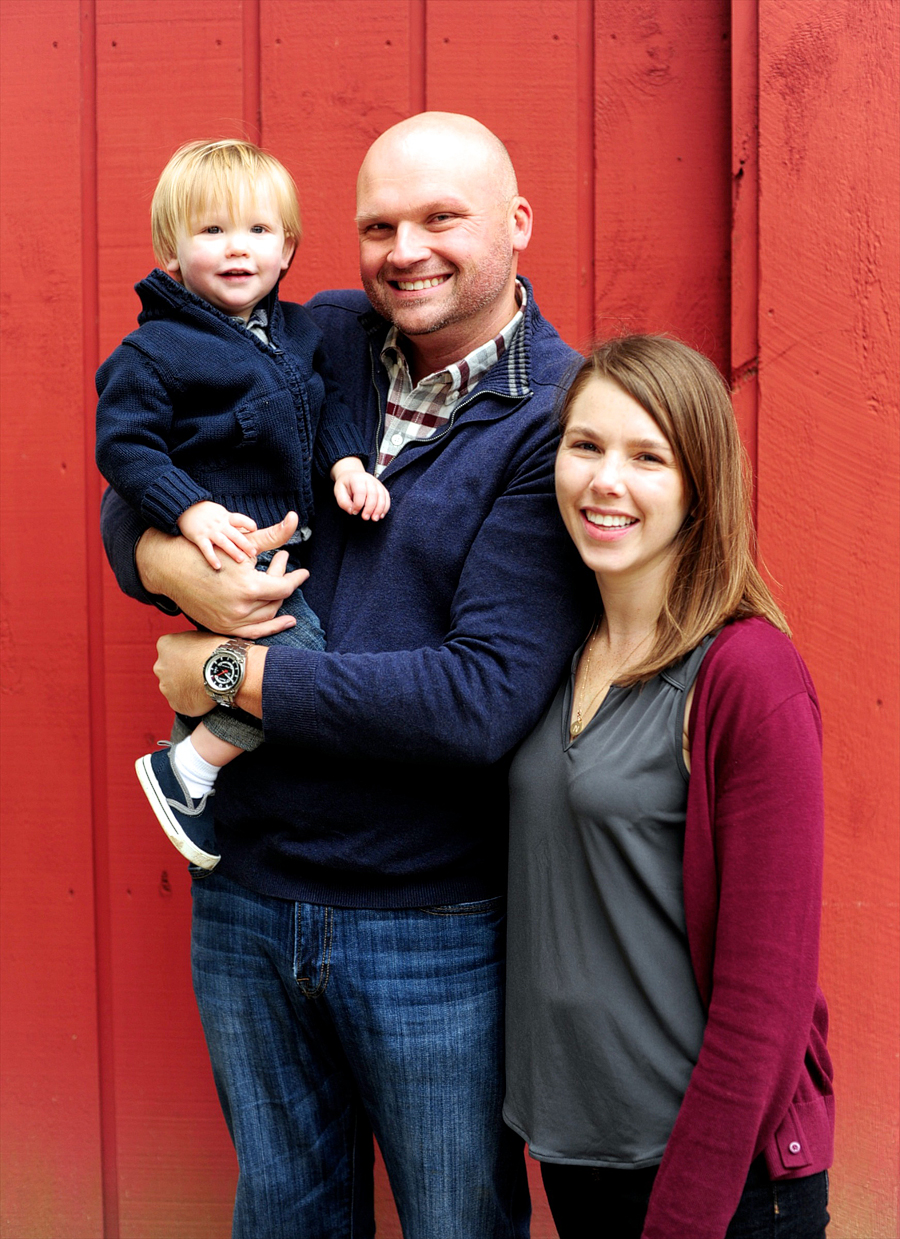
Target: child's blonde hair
(201, 174)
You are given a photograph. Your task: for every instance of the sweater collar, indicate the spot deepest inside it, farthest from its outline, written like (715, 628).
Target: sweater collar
(161, 296)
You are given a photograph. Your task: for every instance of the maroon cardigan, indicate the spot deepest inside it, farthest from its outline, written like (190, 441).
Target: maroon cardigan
(752, 896)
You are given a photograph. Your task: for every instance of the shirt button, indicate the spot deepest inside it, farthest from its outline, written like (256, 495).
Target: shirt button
(396, 439)
(452, 397)
(794, 1146)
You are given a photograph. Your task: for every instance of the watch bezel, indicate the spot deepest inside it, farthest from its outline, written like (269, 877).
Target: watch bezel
(234, 652)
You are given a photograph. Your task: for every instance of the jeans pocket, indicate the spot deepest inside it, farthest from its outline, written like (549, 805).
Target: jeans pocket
(472, 908)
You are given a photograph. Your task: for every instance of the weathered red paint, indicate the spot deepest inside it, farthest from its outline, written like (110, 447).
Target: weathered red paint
(828, 521)
(724, 169)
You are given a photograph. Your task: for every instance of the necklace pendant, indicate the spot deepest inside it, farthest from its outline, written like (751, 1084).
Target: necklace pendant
(576, 727)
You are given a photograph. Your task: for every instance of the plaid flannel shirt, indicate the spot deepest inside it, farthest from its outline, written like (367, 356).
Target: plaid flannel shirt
(416, 412)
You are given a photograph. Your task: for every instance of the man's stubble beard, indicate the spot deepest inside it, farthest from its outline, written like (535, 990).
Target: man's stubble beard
(466, 303)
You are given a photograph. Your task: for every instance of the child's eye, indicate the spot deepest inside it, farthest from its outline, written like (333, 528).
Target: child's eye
(212, 228)
(259, 228)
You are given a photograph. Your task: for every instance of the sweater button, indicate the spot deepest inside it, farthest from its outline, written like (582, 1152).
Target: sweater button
(794, 1146)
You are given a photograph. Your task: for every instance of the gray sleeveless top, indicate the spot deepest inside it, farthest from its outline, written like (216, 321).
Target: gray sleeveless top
(604, 1022)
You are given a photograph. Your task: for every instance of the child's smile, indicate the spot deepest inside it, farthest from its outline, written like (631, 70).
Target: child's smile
(234, 260)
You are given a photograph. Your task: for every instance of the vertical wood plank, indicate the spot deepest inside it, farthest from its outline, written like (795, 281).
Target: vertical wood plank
(520, 77)
(166, 73)
(663, 152)
(828, 513)
(745, 218)
(334, 78)
(51, 1076)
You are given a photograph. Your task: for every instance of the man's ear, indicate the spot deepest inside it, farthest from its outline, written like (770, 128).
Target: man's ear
(521, 220)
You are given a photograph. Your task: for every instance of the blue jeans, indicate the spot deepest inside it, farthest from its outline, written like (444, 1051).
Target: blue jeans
(325, 1025)
(591, 1202)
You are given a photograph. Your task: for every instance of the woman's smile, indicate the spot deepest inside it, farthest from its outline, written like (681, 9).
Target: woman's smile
(619, 486)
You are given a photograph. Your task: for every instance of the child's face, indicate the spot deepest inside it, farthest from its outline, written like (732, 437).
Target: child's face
(233, 257)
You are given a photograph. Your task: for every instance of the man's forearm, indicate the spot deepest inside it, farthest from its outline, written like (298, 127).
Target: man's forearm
(121, 529)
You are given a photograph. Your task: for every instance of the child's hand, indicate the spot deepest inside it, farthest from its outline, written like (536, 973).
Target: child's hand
(209, 525)
(358, 492)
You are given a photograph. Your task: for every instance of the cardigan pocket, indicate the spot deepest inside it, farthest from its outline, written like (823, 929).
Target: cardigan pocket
(804, 1138)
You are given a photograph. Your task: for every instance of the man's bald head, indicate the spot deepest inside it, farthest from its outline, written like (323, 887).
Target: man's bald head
(455, 137)
(441, 225)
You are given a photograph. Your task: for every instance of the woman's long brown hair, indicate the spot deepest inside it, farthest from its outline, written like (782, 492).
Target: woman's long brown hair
(714, 578)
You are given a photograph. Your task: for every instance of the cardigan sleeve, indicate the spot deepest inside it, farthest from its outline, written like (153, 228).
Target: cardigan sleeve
(757, 752)
(134, 420)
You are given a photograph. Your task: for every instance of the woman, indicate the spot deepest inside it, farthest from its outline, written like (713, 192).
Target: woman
(665, 1034)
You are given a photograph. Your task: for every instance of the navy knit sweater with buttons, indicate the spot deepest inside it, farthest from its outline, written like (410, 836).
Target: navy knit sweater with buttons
(194, 406)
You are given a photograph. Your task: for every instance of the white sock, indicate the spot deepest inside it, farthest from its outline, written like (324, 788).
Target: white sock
(198, 774)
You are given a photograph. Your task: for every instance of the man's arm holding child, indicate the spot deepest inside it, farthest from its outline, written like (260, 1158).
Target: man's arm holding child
(170, 573)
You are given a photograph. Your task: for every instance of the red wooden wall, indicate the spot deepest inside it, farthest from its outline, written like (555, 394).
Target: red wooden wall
(725, 169)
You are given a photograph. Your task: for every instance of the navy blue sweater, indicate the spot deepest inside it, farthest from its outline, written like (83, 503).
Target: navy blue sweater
(194, 406)
(383, 779)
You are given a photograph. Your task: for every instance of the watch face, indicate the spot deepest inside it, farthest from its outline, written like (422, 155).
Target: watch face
(223, 673)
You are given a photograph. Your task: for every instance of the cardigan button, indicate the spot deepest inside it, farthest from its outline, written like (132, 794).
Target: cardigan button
(794, 1146)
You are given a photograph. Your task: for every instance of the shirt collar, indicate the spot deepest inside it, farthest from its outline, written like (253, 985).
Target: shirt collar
(461, 375)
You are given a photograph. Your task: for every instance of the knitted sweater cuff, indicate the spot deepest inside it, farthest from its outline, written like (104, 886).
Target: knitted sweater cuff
(168, 497)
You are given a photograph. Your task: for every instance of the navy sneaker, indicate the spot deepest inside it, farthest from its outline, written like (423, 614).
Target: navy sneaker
(187, 822)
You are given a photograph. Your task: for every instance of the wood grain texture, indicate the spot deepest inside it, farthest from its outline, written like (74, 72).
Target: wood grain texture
(723, 169)
(663, 195)
(828, 514)
(51, 1075)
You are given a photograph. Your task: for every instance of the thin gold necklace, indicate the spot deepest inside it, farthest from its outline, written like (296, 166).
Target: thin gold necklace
(577, 724)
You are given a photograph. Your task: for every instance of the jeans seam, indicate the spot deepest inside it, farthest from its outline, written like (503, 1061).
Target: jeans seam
(304, 983)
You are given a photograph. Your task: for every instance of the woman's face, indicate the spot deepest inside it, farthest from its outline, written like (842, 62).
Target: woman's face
(619, 488)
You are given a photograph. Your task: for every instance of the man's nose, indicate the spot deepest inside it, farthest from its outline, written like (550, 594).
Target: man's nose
(409, 246)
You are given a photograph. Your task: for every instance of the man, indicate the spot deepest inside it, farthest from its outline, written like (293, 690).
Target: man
(348, 950)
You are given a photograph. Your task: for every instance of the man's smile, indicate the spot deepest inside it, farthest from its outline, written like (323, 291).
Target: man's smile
(409, 286)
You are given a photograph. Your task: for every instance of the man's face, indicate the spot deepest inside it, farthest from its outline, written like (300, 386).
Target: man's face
(437, 240)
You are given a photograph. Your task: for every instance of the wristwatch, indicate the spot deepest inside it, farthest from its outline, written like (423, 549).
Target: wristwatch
(224, 670)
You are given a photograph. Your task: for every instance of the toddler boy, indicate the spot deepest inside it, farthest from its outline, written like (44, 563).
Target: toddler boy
(212, 415)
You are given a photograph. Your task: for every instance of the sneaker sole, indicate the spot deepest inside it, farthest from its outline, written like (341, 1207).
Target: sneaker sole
(167, 820)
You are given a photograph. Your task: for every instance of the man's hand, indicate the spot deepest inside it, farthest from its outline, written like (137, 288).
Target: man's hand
(358, 492)
(180, 657)
(208, 525)
(237, 600)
